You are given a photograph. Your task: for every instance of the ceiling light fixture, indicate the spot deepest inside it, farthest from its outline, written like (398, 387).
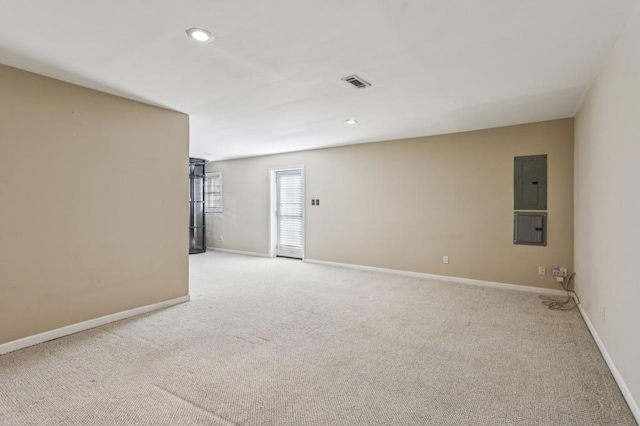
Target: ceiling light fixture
(351, 121)
(200, 34)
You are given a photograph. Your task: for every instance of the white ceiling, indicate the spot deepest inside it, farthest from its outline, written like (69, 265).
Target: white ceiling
(270, 82)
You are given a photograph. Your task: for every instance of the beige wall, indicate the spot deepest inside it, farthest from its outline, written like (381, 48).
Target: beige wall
(405, 204)
(607, 204)
(93, 204)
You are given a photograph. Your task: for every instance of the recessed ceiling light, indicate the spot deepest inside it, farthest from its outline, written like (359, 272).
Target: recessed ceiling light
(200, 34)
(351, 121)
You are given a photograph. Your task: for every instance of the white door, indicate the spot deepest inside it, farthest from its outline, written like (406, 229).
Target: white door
(290, 213)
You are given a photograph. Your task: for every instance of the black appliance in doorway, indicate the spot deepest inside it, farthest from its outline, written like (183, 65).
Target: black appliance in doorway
(197, 231)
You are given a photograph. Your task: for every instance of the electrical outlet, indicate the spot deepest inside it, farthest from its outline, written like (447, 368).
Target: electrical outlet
(602, 313)
(221, 238)
(445, 259)
(542, 270)
(559, 272)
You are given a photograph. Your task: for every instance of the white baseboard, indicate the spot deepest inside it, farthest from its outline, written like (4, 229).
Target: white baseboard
(467, 281)
(246, 253)
(633, 405)
(85, 325)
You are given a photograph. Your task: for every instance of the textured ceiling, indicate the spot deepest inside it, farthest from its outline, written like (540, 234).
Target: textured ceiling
(271, 81)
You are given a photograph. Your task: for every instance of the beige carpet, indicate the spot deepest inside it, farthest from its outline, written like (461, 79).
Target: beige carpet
(281, 342)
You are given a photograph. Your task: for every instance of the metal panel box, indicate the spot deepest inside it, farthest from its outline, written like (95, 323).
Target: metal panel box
(530, 228)
(530, 182)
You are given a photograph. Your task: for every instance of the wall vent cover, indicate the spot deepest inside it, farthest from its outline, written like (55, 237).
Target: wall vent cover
(357, 82)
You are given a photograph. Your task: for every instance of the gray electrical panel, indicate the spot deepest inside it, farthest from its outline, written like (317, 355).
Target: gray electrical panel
(530, 182)
(530, 228)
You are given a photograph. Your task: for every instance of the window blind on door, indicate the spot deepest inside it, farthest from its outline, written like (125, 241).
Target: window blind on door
(290, 204)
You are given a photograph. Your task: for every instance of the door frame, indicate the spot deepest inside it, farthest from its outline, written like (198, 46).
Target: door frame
(273, 206)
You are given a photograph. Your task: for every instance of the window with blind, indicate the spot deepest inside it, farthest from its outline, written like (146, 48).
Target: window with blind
(213, 193)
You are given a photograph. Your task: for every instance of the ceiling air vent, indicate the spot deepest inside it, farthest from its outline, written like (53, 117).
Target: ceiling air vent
(357, 82)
